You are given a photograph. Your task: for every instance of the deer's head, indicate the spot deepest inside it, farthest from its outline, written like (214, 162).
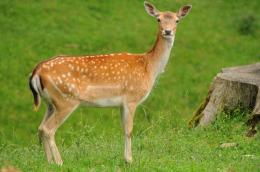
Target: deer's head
(168, 20)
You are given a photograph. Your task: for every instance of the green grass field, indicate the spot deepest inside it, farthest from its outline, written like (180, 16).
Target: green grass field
(214, 35)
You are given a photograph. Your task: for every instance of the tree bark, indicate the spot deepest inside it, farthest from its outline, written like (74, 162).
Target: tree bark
(231, 89)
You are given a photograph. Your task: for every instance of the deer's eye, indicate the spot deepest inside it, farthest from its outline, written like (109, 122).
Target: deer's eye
(177, 21)
(159, 20)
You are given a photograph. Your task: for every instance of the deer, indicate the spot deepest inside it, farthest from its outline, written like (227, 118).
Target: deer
(121, 80)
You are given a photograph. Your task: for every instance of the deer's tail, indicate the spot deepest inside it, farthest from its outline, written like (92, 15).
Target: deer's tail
(36, 87)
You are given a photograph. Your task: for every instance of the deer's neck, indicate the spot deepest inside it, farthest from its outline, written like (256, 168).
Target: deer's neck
(159, 55)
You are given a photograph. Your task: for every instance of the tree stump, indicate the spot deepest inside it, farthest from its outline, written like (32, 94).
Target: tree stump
(232, 88)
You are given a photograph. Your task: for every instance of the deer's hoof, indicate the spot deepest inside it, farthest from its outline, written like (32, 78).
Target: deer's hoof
(59, 163)
(128, 160)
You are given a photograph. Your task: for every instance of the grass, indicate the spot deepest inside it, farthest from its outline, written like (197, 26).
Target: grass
(208, 39)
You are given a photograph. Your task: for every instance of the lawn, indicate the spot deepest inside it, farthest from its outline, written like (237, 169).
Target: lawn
(214, 35)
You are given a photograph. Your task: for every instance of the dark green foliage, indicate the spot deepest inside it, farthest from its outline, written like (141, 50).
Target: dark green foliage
(248, 25)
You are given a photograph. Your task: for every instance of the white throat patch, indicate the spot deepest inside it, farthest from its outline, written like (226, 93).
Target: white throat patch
(165, 56)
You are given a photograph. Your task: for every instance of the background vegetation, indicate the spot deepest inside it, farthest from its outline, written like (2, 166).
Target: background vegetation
(214, 35)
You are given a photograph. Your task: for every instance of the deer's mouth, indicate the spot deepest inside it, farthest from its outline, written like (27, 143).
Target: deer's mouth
(167, 36)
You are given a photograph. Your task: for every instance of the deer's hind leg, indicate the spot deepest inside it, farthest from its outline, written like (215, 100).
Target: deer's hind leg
(42, 139)
(62, 111)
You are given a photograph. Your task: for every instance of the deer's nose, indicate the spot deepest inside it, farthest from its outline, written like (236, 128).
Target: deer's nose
(168, 32)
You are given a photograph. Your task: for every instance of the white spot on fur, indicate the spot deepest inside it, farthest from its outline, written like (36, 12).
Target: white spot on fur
(59, 79)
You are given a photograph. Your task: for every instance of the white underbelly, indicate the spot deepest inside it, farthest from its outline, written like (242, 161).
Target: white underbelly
(105, 102)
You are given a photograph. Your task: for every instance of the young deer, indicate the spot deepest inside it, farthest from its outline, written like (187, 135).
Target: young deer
(122, 79)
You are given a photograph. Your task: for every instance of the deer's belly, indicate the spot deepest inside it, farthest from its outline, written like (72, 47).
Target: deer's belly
(103, 96)
(107, 102)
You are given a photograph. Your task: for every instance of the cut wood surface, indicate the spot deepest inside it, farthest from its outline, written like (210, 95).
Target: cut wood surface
(232, 88)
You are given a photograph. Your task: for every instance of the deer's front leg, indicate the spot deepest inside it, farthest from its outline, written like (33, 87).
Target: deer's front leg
(128, 111)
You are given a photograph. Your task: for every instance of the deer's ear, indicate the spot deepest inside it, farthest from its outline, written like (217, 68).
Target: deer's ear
(150, 9)
(184, 11)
